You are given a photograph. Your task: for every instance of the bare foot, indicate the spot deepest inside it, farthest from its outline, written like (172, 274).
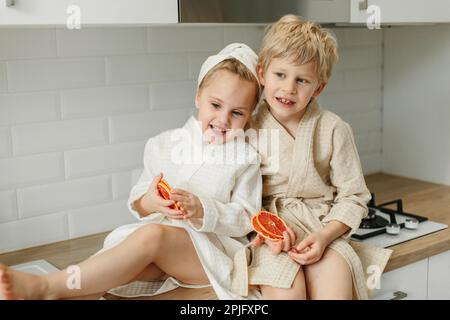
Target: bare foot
(15, 285)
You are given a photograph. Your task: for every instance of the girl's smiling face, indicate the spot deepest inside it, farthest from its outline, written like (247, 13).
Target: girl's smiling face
(289, 87)
(225, 104)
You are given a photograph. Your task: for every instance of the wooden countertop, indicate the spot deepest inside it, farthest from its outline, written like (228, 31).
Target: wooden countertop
(423, 198)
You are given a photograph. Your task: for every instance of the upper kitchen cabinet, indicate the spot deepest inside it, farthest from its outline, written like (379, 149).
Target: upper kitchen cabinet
(87, 12)
(388, 11)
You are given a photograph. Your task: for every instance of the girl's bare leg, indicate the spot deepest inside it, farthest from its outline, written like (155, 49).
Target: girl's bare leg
(151, 272)
(169, 248)
(330, 278)
(296, 292)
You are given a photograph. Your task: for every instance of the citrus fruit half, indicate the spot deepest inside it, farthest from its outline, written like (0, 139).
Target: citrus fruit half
(269, 225)
(164, 191)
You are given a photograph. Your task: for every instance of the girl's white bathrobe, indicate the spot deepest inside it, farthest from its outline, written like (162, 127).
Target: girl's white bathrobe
(227, 180)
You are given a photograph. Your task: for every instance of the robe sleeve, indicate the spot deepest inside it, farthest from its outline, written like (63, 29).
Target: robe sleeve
(352, 195)
(233, 218)
(144, 182)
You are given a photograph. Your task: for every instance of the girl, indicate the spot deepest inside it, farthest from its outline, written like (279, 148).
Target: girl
(193, 242)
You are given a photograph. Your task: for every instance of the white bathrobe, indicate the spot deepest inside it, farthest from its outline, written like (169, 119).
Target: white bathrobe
(227, 180)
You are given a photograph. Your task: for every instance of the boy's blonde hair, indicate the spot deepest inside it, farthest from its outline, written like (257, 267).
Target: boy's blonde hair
(300, 41)
(234, 66)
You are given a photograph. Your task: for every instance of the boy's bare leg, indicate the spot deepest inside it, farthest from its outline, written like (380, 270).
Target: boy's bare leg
(330, 278)
(296, 292)
(169, 248)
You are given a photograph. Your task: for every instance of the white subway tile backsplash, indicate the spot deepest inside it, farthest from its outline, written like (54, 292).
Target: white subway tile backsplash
(70, 194)
(32, 232)
(369, 143)
(17, 108)
(112, 158)
(364, 122)
(146, 68)
(140, 126)
(363, 79)
(76, 108)
(363, 37)
(27, 43)
(22, 171)
(5, 142)
(250, 36)
(8, 206)
(59, 135)
(360, 58)
(3, 83)
(357, 101)
(103, 101)
(186, 39)
(99, 218)
(172, 95)
(121, 185)
(335, 83)
(196, 60)
(100, 41)
(371, 163)
(31, 75)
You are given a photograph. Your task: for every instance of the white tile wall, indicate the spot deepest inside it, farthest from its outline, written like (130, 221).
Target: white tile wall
(101, 42)
(103, 101)
(5, 142)
(28, 170)
(27, 43)
(8, 206)
(3, 83)
(76, 108)
(42, 74)
(18, 108)
(58, 135)
(99, 218)
(39, 200)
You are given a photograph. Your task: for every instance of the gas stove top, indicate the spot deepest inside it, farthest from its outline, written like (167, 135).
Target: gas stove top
(385, 227)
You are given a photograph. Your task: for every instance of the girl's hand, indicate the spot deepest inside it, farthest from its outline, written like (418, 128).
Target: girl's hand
(189, 203)
(309, 250)
(153, 202)
(277, 246)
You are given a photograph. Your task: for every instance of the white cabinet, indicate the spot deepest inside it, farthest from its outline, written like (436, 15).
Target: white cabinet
(426, 279)
(90, 12)
(408, 282)
(389, 11)
(439, 276)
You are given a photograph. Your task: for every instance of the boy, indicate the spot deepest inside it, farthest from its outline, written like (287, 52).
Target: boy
(319, 188)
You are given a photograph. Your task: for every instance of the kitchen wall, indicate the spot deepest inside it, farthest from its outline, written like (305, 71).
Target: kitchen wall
(76, 108)
(416, 115)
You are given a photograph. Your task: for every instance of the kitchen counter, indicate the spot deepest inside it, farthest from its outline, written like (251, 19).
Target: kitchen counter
(423, 198)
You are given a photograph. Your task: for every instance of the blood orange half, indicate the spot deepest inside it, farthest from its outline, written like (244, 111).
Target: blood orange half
(269, 225)
(261, 231)
(164, 191)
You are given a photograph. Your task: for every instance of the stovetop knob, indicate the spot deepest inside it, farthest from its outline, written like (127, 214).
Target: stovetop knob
(393, 228)
(411, 223)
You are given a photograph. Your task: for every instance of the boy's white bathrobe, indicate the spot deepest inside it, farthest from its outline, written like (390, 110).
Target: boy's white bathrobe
(229, 190)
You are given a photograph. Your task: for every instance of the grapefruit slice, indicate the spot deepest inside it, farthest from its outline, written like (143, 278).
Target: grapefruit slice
(269, 225)
(164, 191)
(261, 231)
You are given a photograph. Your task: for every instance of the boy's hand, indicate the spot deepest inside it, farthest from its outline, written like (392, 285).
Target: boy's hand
(277, 246)
(310, 250)
(153, 202)
(190, 204)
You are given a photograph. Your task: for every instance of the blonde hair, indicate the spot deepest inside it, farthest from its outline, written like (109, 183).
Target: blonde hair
(234, 66)
(300, 41)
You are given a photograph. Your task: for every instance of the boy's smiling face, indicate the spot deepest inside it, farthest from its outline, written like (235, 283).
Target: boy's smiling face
(225, 104)
(289, 87)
